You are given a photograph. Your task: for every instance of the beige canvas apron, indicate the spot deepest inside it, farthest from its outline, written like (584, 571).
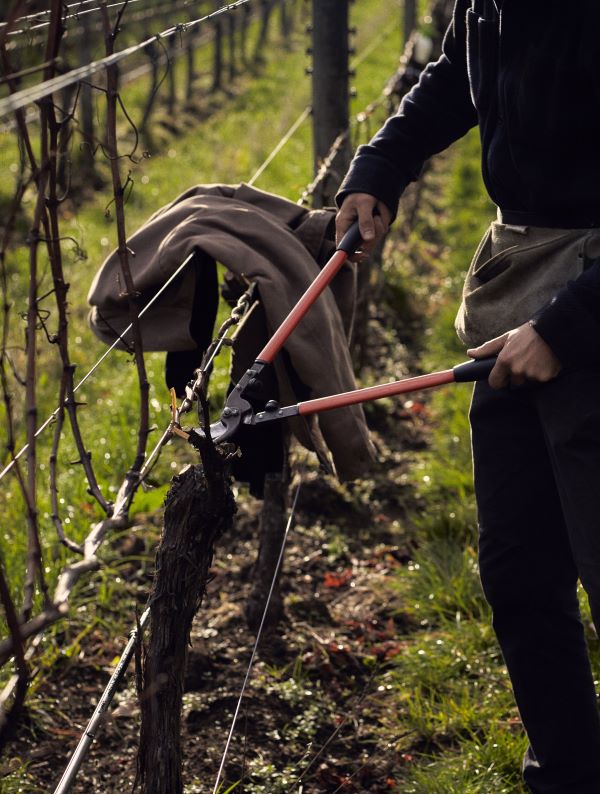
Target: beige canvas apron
(516, 271)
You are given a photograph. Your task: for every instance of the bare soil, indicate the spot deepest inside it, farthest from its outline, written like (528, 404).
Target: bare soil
(315, 716)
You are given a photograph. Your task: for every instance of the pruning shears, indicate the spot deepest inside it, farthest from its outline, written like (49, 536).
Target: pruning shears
(238, 409)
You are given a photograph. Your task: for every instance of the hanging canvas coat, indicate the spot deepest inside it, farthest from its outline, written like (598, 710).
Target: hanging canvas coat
(263, 238)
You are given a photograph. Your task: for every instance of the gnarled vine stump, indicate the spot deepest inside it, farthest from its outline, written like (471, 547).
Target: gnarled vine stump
(198, 509)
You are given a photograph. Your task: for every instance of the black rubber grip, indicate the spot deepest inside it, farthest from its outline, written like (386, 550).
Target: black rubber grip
(351, 240)
(477, 369)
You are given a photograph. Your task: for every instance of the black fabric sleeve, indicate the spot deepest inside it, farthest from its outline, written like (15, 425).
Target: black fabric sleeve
(436, 112)
(570, 323)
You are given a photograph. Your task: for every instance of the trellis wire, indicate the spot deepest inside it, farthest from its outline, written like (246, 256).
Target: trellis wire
(78, 14)
(89, 734)
(25, 97)
(325, 167)
(372, 46)
(135, 17)
(46, 12)
(288, 135)
(260, 629)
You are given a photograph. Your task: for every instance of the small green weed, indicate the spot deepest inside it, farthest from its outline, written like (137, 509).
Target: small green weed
(452, 687)
(487, 764)
(451, 683)
(442, 584)
(15, 778)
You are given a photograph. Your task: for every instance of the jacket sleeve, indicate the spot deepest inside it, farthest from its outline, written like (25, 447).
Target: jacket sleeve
(436, 112)
(570, 323)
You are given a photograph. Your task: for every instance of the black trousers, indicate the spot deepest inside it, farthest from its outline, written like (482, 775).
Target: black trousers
(536, 452)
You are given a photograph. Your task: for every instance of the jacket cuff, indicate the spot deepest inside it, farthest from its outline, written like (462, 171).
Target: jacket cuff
(569, 329)
(370, 173)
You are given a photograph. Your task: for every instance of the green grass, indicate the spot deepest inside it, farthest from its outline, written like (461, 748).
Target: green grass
(453, 689)
(486, 765)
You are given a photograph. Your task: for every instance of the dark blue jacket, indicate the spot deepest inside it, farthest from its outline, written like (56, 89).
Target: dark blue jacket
(526, 72)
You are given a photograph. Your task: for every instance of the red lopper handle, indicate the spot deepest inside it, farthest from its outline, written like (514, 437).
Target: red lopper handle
(349, 243)
(462, 373)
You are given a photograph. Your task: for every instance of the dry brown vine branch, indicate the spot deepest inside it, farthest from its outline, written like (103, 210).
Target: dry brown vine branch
(8, 719)
(112, 103)
(61, 289)
(34, 554)
(50, 132)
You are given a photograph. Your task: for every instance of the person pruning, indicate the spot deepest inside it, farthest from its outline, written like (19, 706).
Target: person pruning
(526, 75)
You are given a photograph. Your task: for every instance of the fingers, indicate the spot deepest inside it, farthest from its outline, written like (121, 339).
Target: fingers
(503, 376)
(366, 221)
(488, 348)
(373, 218)
(380, 227)
(500, 376)
(345, 218)
(506, 372)
(522, 356)
(384, 214)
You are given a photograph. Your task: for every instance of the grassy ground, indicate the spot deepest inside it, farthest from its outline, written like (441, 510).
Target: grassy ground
(453, 690)
(388, 635)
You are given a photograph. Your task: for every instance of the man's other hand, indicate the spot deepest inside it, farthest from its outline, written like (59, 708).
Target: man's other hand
(522, 355)
(373, 219)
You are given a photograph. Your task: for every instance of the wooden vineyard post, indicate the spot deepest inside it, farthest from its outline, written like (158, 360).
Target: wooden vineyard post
(171, 78)
(330, 90)
(409, 21)
(190, 52)
(266, 8)
(198, 509)
(271, 532)
(231, 30)
(86, 164)
(284, 19)
(217, 80)
(245, 23)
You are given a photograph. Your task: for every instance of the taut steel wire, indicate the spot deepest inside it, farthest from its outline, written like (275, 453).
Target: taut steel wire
(27, 96)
